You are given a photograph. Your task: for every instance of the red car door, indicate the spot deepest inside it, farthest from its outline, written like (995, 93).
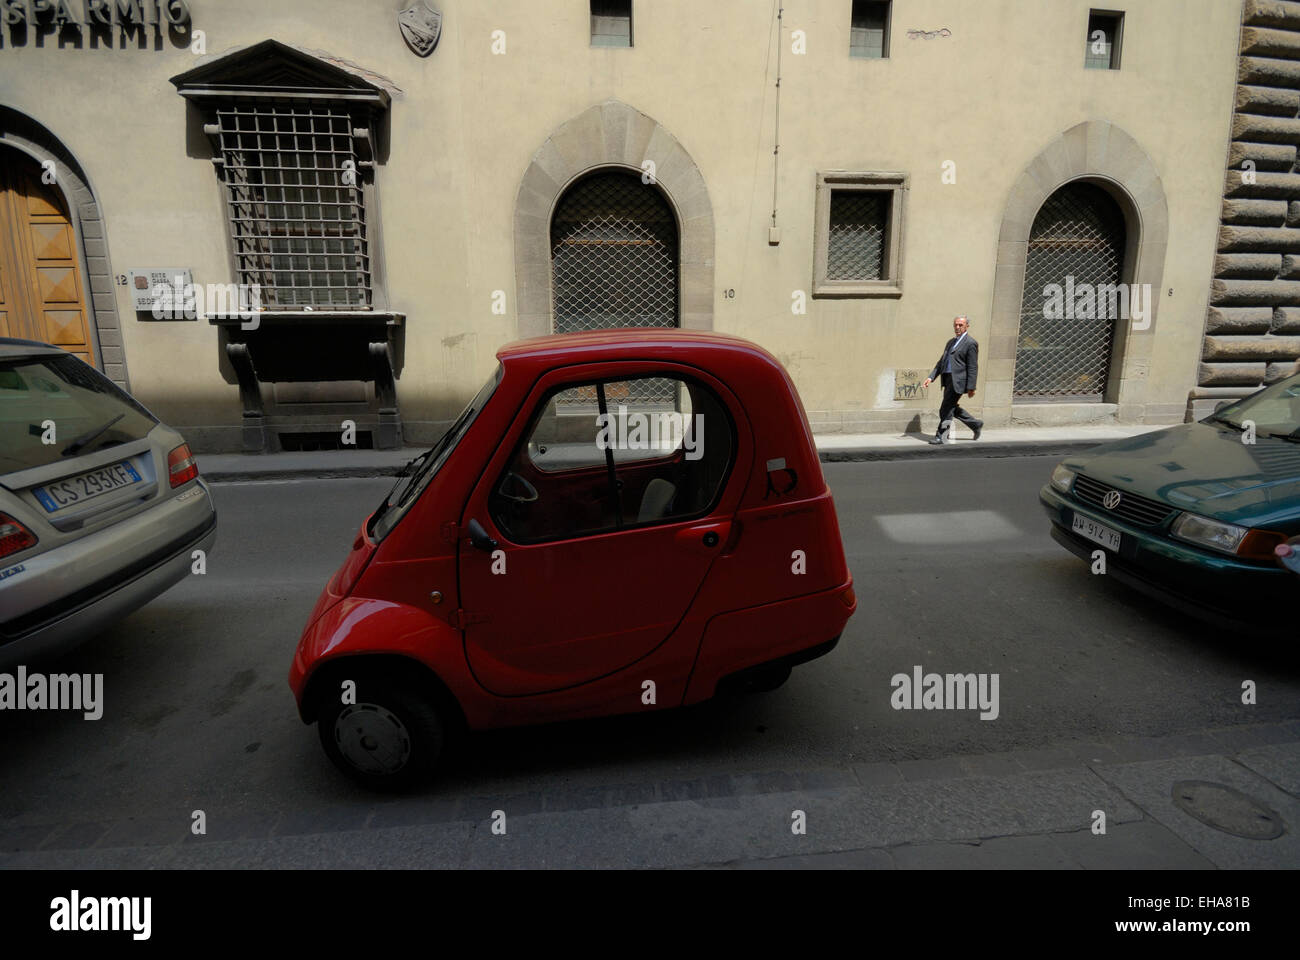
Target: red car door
(590, 574)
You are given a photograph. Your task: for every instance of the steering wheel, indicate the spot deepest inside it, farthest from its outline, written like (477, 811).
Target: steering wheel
(529, 491)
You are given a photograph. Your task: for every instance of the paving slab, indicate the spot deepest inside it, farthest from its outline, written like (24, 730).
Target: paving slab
(1150, 784)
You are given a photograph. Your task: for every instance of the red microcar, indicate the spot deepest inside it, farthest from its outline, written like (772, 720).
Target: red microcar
(619, 521)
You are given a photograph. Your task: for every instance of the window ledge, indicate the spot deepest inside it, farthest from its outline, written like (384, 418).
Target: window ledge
(268, 318)
(857, 288)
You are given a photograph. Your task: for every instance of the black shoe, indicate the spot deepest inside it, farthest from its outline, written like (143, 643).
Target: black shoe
(935, 441)
(977, 430)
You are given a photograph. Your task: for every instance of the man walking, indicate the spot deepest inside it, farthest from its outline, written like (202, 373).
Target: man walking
(959, 368)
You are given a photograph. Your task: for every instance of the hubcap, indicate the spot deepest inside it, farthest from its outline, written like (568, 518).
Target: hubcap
(372, 738)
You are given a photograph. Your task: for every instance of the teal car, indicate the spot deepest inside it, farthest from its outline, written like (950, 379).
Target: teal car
(1193, 514)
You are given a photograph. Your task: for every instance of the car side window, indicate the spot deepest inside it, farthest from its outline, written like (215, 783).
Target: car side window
(614, 455)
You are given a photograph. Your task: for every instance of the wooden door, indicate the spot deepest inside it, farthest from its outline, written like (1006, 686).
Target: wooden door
(41, 296)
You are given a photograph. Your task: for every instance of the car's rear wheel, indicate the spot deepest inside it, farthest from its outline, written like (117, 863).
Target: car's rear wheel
(391, 738)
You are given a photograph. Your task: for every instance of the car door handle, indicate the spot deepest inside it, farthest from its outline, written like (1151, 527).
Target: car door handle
(706, 536)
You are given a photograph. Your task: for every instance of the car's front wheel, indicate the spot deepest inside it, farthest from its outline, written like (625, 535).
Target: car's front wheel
(390, 738)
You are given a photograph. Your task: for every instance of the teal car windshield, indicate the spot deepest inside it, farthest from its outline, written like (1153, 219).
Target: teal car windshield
(1274, 411)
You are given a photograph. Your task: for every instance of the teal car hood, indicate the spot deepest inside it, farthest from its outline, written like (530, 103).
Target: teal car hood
(1205, 468)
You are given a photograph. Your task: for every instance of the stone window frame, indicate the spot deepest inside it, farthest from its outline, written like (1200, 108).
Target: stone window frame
(611, 134)
(893, 182)
(1117, 42)
(306, 77)
(1103, 153)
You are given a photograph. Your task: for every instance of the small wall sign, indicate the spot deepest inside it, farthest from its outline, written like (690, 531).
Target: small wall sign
(148, 285)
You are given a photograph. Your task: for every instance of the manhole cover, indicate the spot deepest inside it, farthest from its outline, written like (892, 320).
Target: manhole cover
(1226, 809)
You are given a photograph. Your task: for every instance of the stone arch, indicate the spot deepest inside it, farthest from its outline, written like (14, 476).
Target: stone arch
(1102, 153)
(21, 132)
(611, 134)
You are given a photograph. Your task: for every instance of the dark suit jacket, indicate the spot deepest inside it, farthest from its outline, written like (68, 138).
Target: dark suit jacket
(965, 364)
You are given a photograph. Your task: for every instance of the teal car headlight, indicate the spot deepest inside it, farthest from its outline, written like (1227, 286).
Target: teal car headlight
(1062, 478)
(1204, 532)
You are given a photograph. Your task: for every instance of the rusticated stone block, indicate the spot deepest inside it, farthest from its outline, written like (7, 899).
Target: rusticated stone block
(1264, 42)
(1257, 213)
(1246, 293)
(1226, 320)
(1290, 267)
(1267, 186)
(1280, 371)
(1246, 126)
(1266, 156)
(1230, 374)
(1248, 265)
(1272, 13)
(1262, 239)
(1239, 349)
(1271, 101)
(1286, 320)
(1275, 73)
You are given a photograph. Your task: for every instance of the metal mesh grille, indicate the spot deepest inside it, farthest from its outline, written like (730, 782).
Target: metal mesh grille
(855, 248)
(614, 261)
(1079, 234)
(1132, 507)
(298, 229)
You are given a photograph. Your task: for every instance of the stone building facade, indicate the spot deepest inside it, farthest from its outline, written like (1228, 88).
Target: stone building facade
(1252, 331)
(411, 184)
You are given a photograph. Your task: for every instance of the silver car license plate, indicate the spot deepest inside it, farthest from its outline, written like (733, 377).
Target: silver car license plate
(86, 486)
(1096, 532)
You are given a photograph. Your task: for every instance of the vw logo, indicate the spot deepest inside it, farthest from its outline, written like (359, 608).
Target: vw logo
(1112, 499)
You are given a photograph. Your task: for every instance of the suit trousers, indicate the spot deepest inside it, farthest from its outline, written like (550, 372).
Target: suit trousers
(951, 406)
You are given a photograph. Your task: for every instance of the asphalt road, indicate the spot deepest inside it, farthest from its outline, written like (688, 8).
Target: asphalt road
(198, 715)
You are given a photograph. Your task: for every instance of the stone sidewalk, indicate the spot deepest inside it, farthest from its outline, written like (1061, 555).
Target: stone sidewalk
(1031, 809)
(994, 442)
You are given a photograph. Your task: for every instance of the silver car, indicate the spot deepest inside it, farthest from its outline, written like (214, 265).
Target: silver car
(101, 507)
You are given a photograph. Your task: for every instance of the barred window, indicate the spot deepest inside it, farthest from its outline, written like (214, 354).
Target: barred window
(856, 241)
(1105, 29)
(614, 260)
(611, 23)
(1076, 250)
(869, 29)
(295, 204)
(859, 234)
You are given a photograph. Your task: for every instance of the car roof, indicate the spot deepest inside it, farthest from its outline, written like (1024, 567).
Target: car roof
(642, 343)
(14, 347)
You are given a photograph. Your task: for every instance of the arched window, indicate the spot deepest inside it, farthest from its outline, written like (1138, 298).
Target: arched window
(1072, 296)
(614, 259)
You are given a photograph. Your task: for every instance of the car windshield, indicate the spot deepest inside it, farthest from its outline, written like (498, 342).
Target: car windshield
(423, 468)
(56, 408)
(1275, 410)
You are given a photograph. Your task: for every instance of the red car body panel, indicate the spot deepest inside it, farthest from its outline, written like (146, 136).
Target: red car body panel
(577, 626)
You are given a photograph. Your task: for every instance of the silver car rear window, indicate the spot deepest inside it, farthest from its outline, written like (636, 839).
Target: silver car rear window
(57, 408)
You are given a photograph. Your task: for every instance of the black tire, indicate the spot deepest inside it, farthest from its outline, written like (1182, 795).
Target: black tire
(390, 739)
